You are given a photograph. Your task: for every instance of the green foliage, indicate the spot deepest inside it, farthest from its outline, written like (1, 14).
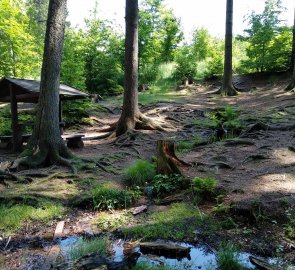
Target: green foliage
(13, 216)
(83, 247)
(227, 117)
(103, 50)
(18, 52)
(203, 186)
(73, 59)
(269, 43)
(177, 223)
(75, 110)
(159, 33)
(228, 259)
(106, 198)
(26, 118)
(139, 172)
(163, 185)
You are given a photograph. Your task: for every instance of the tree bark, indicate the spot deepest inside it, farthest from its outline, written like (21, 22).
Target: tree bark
(228, 88)
(46, 145)
(293, 47)
(130, 109)
(291, 86)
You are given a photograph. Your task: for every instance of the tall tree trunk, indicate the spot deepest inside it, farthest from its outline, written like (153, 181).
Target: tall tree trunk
(46, 144)
(291, 86)
(227, 88)
(130, 111)
(293, 46)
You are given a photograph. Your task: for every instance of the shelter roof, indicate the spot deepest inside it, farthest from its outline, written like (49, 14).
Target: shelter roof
(28, 90)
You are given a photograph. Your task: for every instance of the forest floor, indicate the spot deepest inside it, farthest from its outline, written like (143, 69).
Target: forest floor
(254, 170)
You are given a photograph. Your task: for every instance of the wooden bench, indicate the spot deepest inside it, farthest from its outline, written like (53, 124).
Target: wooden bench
(74, 140)
(7, 141)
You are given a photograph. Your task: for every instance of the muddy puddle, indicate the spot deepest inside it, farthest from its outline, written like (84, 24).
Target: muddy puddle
(198, 257)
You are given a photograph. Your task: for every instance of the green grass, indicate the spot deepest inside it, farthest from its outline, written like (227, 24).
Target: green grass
(87, 246)
(228, 259)
(185, 146)
(138, 173)
(177, 223)
(13, 217)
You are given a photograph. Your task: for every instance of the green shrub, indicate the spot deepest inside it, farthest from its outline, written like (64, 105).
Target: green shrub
(75, 111)
(166, 184)
(228, 259)
(204, 185)
(140, 172)
(105, 198)
(83, 246)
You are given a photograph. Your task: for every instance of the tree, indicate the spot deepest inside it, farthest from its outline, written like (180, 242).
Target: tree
(18, 57)
(131, 117)
(46, 144)
(291, 86)
(269, 42)
(227, 88)
(293, 46)
(103, 58)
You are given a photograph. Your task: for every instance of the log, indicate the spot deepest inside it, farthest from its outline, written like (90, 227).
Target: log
(168, 250)
(167, 161)
(139, 209)
(262, 265)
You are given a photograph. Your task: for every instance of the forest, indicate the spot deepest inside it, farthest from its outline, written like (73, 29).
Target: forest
(143, 149)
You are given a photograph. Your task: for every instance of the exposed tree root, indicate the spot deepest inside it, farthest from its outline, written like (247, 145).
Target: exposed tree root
(10, 176)
(127, 128)
(290, 87)
(46, 153)
(227, 91)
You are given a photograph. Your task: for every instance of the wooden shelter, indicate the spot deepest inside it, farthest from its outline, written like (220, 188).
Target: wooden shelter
(14, 90)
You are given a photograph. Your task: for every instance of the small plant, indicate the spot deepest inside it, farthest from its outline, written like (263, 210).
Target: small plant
(221, 209)
(140, 172)
(105, 198)
(228, 259)
(166, 184)
(84, 246)
(204, 185)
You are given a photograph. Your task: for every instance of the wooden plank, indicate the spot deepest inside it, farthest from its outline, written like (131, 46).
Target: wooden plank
(59, 230)
(55, 249)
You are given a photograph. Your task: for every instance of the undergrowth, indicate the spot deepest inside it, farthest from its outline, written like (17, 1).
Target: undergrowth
(106, 198)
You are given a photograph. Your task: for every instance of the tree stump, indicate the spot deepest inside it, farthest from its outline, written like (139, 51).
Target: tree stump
(167, 161)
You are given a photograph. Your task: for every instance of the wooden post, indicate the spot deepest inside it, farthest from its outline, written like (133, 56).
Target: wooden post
(60, 117)
(14, 121)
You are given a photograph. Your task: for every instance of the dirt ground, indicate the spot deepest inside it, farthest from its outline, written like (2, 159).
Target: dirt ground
(256, 170)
